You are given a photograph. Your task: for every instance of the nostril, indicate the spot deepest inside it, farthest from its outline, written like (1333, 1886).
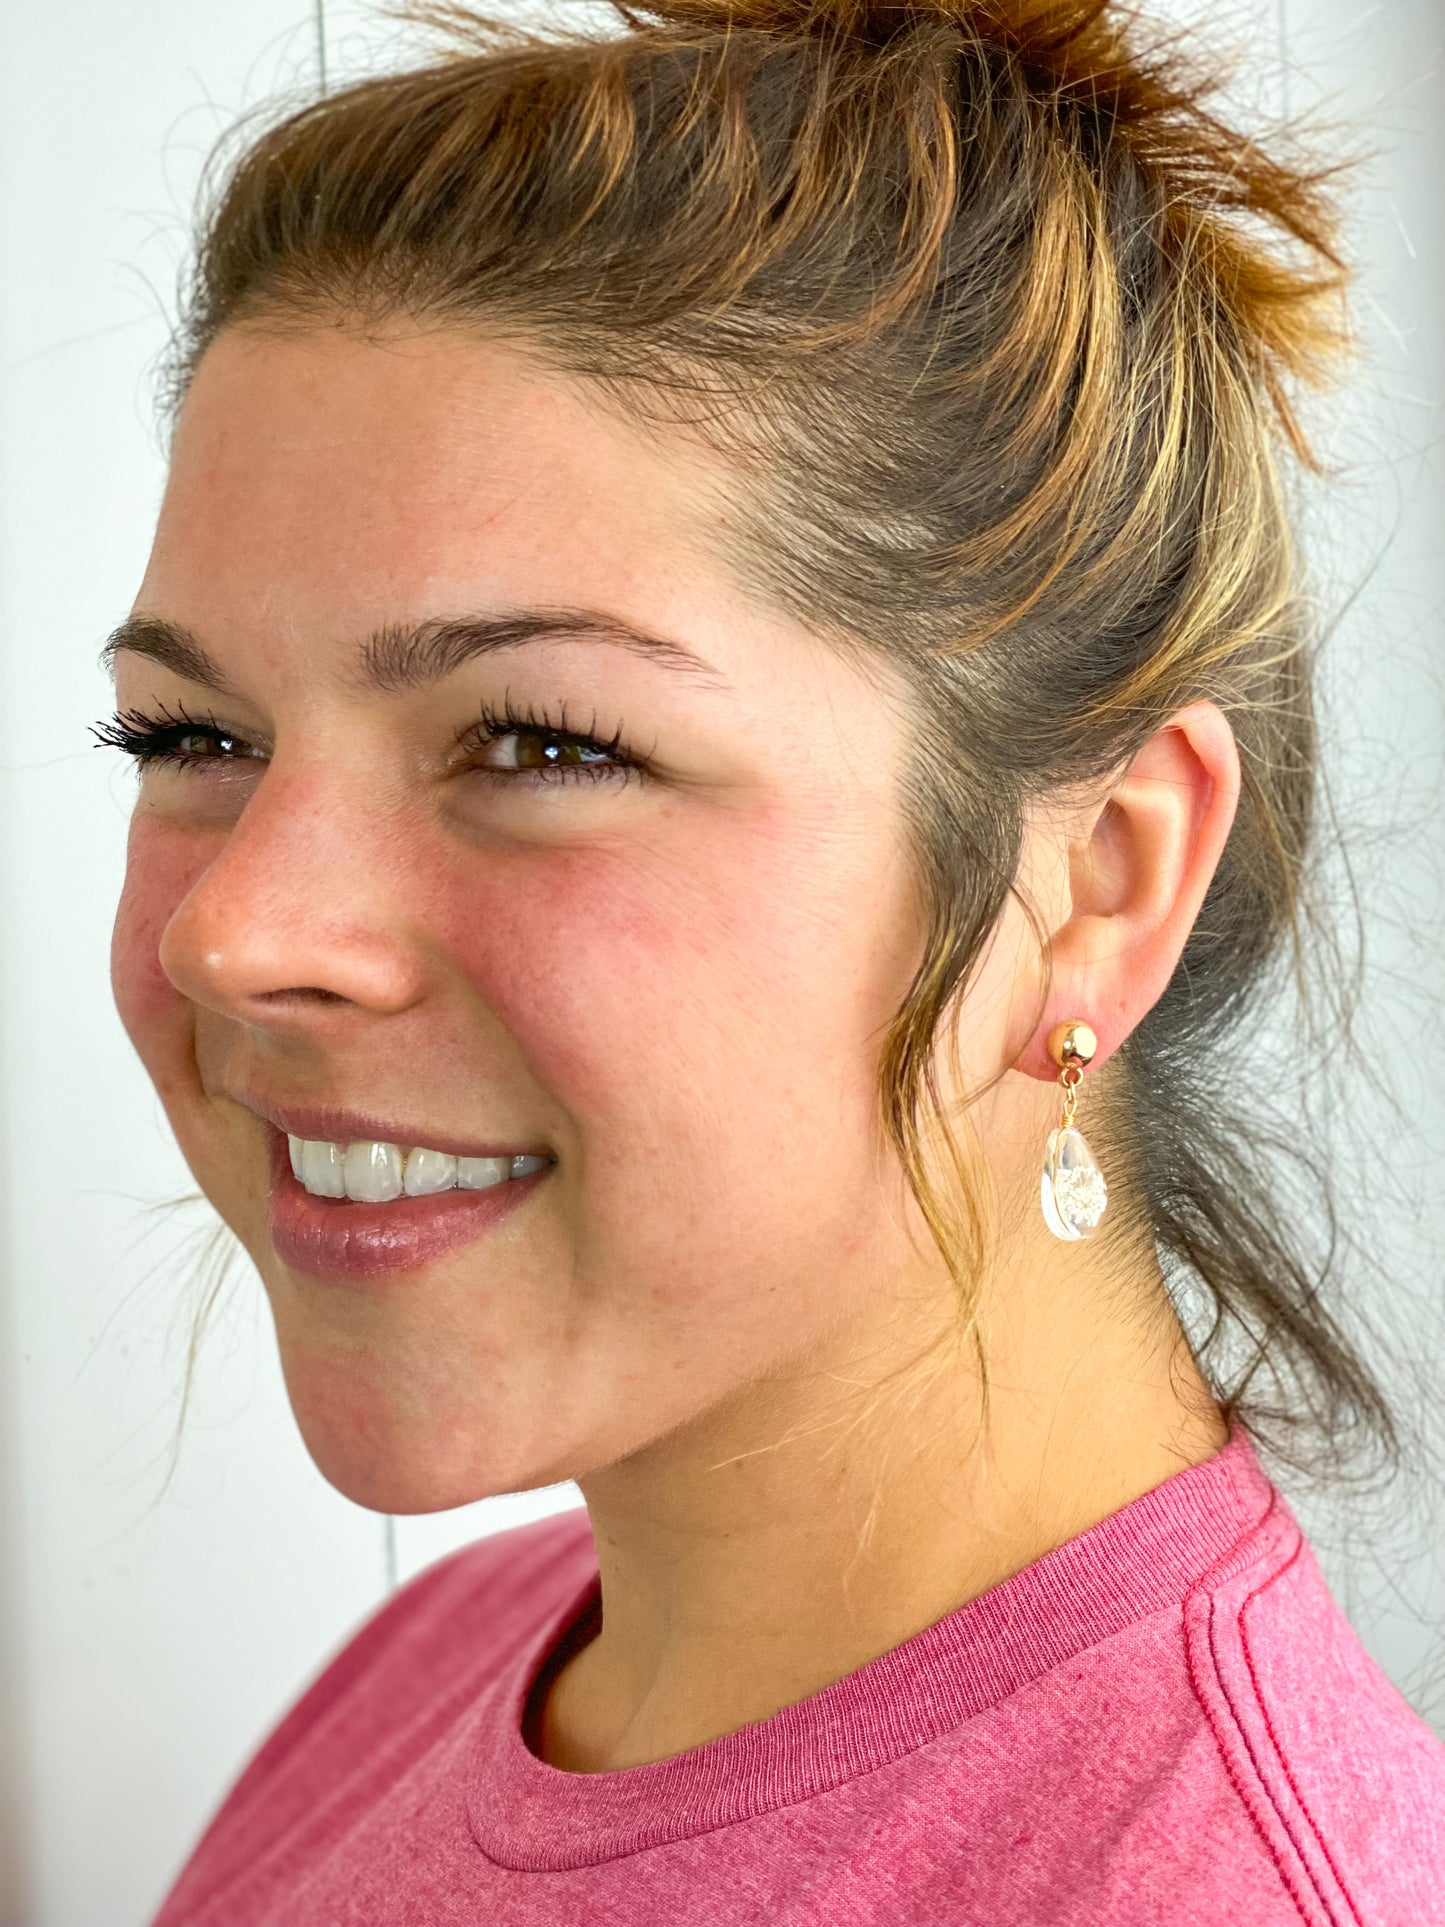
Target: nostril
(306, 993)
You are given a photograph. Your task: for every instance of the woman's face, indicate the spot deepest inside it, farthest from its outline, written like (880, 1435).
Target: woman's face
(374, 907)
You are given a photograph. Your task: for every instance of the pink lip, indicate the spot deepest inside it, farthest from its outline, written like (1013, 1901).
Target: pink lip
(338, 1239)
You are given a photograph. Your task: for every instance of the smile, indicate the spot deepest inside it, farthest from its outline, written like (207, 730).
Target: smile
(388, 1208)
(374, 1172)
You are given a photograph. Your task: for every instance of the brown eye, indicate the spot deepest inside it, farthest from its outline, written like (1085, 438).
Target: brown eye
(199, 743)
(544, 749)
(511, 744)
(176, 740)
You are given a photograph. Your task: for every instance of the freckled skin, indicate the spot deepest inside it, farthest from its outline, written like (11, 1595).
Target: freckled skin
(679, 987)
(714, 1309)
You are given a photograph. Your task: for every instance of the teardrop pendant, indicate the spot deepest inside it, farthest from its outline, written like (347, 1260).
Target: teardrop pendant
(1072, 1189)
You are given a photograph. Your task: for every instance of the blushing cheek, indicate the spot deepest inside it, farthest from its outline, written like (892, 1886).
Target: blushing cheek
(578, 958)
(162, 864)
(631, 993)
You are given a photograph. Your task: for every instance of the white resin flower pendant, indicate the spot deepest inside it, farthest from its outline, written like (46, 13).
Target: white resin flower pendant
(1072, 1190)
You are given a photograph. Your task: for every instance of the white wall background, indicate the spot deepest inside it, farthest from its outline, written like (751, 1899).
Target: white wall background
(150, 1632)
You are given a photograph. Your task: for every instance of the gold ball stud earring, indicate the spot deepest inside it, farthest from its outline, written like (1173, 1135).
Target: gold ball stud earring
(1072, 1190)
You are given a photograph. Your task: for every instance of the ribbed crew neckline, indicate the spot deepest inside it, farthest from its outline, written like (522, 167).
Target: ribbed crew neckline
(1139, 1560)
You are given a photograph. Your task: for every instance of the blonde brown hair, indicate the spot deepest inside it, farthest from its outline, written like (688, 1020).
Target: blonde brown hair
(1002, 325)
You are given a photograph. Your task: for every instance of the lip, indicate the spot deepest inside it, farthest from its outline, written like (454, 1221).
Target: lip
(325, 1124)
(347, 1242)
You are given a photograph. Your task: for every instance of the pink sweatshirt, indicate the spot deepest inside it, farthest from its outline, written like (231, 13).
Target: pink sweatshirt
(1167, 1719)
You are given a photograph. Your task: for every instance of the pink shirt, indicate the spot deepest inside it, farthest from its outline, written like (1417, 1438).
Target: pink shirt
(1167, 1719)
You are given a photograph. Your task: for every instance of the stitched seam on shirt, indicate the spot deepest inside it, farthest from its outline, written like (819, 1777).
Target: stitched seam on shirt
(1288, 1878)
(1324, 1898)
(1264, 1586)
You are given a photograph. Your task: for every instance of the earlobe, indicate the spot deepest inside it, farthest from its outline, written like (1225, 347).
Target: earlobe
(1138, 875)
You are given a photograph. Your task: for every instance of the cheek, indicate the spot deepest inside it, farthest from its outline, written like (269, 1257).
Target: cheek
(703, 1007)
(162, 863)
(604, 965)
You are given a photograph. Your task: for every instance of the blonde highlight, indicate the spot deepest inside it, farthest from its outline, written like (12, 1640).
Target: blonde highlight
(1005, 329)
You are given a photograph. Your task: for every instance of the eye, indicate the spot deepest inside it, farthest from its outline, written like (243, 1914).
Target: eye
(521, 743)
(524, 743)
(172, 736)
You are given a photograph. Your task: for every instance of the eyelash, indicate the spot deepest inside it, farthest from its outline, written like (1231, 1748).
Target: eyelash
(494, 723)
(157, 739)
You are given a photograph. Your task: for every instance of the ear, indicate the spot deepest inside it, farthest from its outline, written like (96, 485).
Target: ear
(1137, 872)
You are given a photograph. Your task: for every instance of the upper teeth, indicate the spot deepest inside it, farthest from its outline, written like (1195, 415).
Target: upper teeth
(375, 1173)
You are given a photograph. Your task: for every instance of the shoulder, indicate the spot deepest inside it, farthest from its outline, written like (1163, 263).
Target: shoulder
(438, 1637)
(1343, 1780)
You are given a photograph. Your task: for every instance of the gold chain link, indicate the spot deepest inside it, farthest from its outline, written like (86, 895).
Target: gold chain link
(1071, 1076)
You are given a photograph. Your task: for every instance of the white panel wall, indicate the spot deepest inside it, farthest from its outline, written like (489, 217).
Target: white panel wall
(151, 1635)
(1375, 540)
(150, 1632)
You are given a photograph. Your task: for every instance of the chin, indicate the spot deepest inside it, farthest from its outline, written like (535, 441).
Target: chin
(398, 1461)
(398, 1488)
(409, 1474)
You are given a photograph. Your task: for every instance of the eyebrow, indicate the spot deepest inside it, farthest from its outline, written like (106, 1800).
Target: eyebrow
(395, 658)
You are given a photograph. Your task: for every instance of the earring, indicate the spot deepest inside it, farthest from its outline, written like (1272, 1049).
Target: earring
(1072, 1191)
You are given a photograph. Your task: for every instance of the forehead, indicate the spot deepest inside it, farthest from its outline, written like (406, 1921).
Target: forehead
(323, 476)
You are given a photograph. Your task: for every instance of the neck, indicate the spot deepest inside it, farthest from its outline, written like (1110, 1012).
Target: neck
(813, 1522)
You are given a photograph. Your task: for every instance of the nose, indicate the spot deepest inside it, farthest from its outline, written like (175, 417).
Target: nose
(300, 911)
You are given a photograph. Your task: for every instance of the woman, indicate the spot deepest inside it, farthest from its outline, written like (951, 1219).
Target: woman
(724, 719)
